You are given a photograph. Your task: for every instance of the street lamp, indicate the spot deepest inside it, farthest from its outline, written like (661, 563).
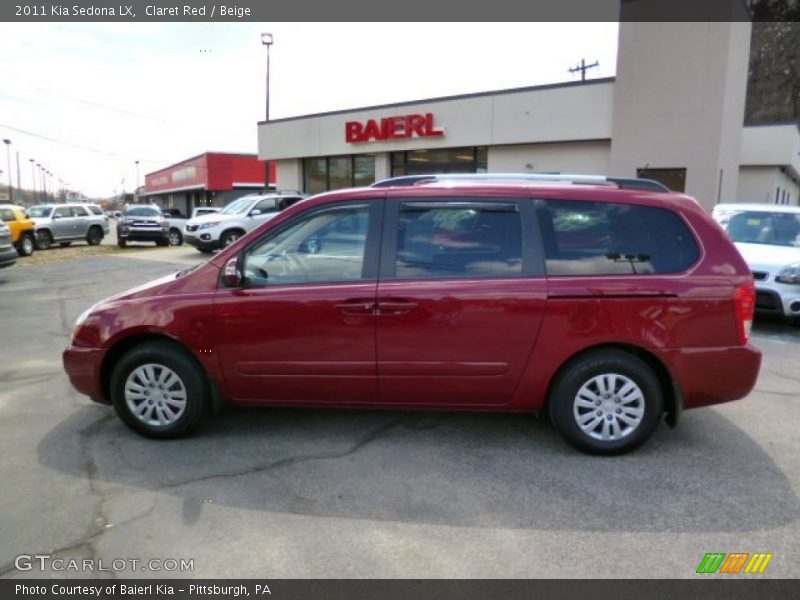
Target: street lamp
(33, 179)
(8, 154)
(136, 190)
(266, 40)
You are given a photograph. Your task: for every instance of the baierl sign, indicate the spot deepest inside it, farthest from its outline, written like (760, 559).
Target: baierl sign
(392, 128)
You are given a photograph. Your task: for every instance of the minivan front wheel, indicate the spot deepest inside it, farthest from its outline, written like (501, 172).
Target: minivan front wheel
(607, 402)
(159, 391)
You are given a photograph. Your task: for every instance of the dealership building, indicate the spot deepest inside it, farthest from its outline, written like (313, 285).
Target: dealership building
(674, 113)
(208, 179)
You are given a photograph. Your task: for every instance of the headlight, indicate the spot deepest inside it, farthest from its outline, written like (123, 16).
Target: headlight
(83, 316)
(789, 274)
(209, 225)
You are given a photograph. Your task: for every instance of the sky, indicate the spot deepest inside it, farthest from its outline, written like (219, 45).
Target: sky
(86, 100)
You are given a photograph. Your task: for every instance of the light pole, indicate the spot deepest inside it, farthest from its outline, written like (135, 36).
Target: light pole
(8, 154)
(42, 186)
(266, 40)
(33, 180)
(136, 189)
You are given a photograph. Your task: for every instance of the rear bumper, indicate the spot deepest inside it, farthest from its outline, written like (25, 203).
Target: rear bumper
(713, 375)
(8, 257)
(83, 369)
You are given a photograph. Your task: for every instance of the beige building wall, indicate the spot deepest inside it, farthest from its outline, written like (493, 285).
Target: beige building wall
(587, 157)
(679, 102)
(767, 184)
(545, 114)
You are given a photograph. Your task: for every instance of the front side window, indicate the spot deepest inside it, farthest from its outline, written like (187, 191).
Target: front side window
(467, 240)
(7, 214)
(267, 205)
(39, 212)
(325, 247)
(603, 238)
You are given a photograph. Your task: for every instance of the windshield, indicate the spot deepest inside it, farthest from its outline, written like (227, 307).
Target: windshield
(239, 206)
(142, 211)
(39, 211)
(763, 227)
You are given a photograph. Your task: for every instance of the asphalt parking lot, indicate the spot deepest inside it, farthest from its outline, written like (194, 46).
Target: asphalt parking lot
(278, 493)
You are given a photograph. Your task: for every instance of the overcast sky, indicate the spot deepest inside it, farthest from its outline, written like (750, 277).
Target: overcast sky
(109, 94)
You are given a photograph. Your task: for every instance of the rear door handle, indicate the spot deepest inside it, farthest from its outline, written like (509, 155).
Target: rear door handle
(396, 306)
(356, 306)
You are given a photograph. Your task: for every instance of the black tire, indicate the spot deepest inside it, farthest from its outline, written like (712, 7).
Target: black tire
(162, 243)
(65, 244)
(175, 237)
(94, 236)
(229, 237)
(27, 244)
(190, 375)
(43, 239)
(122, 242)
(582, 376)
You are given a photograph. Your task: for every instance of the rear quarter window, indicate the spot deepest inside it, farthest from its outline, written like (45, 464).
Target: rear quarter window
(603, 238)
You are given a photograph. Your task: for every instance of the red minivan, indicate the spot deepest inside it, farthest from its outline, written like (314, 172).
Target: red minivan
(609, 304)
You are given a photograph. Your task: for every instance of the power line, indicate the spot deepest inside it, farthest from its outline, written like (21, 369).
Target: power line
(87, 148)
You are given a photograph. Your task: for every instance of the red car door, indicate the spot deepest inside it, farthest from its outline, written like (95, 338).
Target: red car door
(302, 327)
(460, 300)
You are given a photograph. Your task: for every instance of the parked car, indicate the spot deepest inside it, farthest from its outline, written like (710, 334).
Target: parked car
(177, 223)
(67, 223)
(8, 254)
(219, 230)
(768, 237)
(20, 226)
(204, 210)
(605, 306)
(142, 223)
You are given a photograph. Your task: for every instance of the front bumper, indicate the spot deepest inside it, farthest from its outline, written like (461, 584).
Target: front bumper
(780, 299)
(144, 235)
(8, 257)
(83, 369)
(713, 375)
(196, 239)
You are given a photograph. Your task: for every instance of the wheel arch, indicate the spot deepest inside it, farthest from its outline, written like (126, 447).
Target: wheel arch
(127, 343)
(673, 398)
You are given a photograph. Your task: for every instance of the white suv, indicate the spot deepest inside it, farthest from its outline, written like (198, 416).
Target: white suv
(768, 238)
(210, 232)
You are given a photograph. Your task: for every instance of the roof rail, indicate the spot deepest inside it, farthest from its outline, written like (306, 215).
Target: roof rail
(629, 183)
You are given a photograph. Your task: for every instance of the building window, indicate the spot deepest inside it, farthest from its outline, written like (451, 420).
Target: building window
(321, 174)
(439, 160)
(674, 179)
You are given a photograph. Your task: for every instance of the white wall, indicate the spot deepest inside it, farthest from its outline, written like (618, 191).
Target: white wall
(760, 183)
(588, 158)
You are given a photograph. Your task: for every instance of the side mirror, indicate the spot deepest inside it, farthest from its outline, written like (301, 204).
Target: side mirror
(255, 212)
(231, 275)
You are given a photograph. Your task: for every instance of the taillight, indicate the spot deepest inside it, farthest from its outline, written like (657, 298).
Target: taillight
(744, 303)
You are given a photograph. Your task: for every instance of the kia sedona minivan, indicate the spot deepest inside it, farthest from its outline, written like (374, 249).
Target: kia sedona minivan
(606, 304)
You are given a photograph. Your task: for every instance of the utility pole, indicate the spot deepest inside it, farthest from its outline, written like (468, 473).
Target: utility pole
(583, 68)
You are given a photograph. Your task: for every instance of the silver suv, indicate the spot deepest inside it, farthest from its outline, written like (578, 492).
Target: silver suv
(67, 223)
(143, 223)
(218, 230)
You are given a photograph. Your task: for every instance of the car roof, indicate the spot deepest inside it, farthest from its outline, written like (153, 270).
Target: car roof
(757, 206)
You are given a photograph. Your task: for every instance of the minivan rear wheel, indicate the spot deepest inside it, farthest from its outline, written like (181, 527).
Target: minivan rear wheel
(606, 402)
(159, 390)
